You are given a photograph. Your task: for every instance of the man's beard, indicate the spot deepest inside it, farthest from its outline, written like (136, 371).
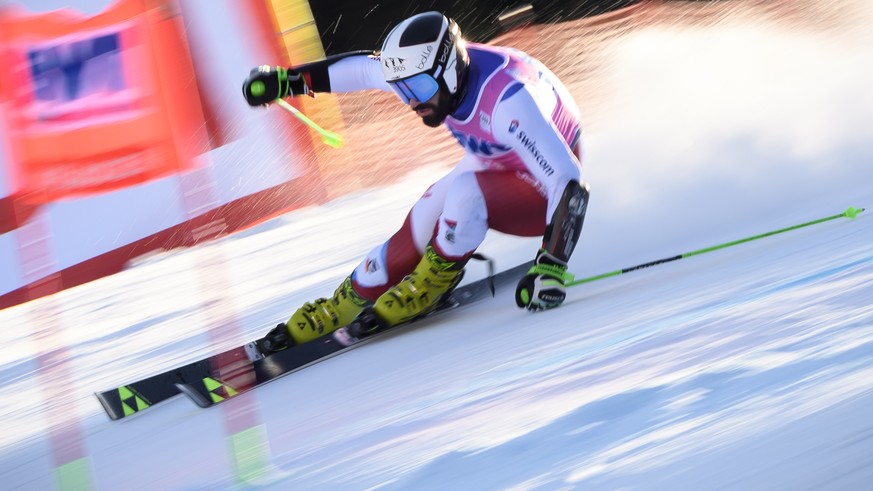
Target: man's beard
(439, 111)
(435, 118)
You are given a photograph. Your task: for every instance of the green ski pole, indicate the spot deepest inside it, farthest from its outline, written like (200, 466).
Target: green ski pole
(327, 137)
(850, 212)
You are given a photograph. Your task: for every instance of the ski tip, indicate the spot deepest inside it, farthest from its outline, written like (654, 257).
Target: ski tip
(122, 402)
(111, 409)
(852, 212)
(198, 398)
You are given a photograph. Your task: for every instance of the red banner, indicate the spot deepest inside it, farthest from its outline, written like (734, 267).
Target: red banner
(97, 103)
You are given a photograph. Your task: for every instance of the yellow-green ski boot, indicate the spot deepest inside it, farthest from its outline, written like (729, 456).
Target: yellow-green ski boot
(325, 315)
(421, 291)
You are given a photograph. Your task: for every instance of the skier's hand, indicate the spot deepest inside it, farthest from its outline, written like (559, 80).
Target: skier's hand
(543, 286)
(265, 84)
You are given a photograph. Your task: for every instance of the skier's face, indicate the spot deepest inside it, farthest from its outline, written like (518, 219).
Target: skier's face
(434, 110)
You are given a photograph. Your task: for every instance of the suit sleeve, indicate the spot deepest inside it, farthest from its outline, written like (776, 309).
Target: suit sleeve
(347, 72)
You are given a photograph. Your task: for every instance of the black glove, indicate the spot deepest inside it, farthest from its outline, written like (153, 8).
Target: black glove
(265, 84)
(543, 286)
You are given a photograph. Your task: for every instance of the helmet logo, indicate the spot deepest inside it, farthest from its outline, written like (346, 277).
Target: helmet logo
(425, 55)
(447, 47)
(393, 62)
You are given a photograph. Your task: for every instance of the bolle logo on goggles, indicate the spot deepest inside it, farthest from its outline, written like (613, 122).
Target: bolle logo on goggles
(425, 55)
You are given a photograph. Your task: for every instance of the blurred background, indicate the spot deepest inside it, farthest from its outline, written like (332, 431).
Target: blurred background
(123, 131)
(123, 134)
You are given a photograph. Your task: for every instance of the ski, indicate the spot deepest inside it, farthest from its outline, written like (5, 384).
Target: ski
(217, 387)
(225, 375)
(133, 398)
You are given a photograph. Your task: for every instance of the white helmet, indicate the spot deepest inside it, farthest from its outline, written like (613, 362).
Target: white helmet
(422, 54)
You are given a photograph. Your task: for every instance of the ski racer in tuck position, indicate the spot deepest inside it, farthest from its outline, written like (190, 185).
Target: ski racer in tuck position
(520, 173)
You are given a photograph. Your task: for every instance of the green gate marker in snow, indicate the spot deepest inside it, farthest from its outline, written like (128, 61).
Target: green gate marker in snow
(74, 476)
(250, 449)
(850, 212)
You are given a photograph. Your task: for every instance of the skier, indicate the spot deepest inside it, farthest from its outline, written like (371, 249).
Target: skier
(520, 173)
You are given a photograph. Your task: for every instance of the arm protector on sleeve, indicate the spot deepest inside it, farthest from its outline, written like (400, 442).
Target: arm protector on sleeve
(562, 232)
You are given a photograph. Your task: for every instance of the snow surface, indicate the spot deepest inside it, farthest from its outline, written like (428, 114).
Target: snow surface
(745, 368)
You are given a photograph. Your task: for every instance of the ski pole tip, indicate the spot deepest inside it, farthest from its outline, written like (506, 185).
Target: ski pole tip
(334, 141)
(852, 212)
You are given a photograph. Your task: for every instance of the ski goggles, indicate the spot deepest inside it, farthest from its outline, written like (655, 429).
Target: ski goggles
(420, 87)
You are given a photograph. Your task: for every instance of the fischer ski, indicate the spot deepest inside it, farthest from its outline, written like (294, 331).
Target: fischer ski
(138, 396)
(225, 375)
